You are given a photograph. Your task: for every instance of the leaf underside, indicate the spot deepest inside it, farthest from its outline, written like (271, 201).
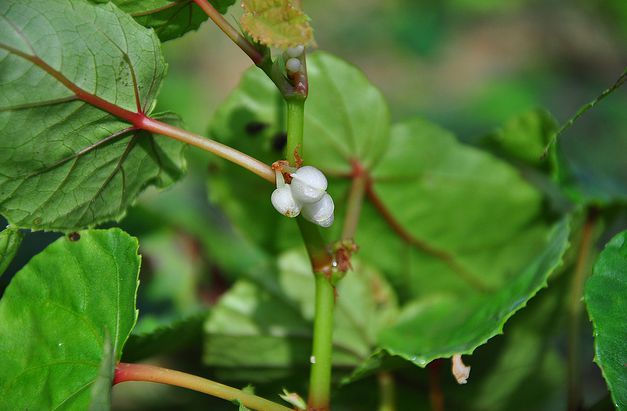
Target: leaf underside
(65, 164)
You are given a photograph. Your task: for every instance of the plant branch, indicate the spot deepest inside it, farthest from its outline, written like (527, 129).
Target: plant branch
(582, 110)
(355, 201)
(231, 32)
(580, 274)
(387, 391)
(436, 396)
(228, 153)
(150, 373)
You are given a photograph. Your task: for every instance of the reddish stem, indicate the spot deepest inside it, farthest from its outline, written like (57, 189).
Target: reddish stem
(149, 373)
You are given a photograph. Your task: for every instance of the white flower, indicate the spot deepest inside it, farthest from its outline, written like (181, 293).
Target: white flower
(320, 212)
(308, 184)
(306, 194)
(284, 203)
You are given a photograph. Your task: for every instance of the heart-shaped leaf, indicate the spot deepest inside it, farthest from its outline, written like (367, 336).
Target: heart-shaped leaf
(604, 295)
(65, 163)
(55, 316)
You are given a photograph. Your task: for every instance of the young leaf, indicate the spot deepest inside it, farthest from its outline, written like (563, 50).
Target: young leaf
(55, 314)
(169, 18)
(64, 162)
(276, 23)
(10, 240)
(604, 295)
(265, 327)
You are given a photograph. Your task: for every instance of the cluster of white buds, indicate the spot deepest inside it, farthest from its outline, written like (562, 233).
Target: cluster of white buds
(306, 194)
(293, 63)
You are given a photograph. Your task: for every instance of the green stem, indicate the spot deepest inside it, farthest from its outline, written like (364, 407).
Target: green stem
(252, 164)
(295, 121)
(149, 373)
(580, 274)
(320, 377)
(387, 392)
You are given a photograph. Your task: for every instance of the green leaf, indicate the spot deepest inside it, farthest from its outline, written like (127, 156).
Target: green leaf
(424, 221)
(101, 388)
(169, 18)
(276, 23)
(604, 295)
(55, 314)
(65, 164)
(441, 325)
(427, 224)
(269, 328)
(10, 240)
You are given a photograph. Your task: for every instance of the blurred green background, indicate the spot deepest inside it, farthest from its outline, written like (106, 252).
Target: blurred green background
(468, 65)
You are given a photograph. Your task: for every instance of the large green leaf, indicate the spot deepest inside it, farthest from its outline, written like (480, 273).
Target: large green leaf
(65, 164)
(269, 328)
(450, 225)
(441, 325)
(169, 18)
(55, 316)
(606, 298)
(10, 240)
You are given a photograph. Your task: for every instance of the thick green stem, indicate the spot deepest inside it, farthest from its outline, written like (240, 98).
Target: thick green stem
(149, 373)
(387, 392)
(580, 274)
(295, 121)
(320, 377)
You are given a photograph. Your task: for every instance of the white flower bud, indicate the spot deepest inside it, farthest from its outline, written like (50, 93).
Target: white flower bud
(320, 212)
(308, 185)
(296, 51)
(292, 65)
(284, 203)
